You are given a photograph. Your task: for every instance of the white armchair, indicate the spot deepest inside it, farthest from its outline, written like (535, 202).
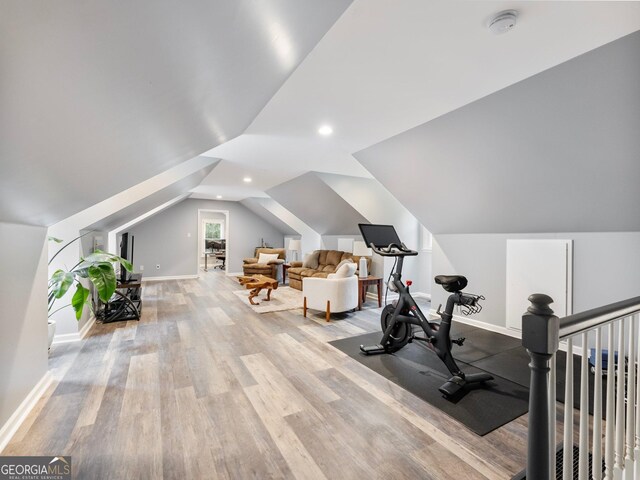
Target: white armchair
(336, 293)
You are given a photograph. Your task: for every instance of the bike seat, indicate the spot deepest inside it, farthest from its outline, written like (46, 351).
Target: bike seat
(451, 283)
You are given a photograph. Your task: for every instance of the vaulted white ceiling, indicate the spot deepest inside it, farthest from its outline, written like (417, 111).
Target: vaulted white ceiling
(385, 67)
(97, 96)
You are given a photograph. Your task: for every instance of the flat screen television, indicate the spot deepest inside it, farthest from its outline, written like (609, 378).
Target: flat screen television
(124, 253)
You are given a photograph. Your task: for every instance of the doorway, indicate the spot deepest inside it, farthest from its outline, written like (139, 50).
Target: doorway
(213, 240)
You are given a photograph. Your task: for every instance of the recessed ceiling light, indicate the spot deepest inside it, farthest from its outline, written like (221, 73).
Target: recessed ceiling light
(218, 197)
(247, 179)
(325, 130)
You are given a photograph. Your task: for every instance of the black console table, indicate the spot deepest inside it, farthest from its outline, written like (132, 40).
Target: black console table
(126, 302)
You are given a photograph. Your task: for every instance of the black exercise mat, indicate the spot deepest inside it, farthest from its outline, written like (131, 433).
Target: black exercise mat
(513, 365)
(482, 409)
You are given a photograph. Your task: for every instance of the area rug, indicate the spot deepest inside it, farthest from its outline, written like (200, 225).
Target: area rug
(418, 370)
(282, 298)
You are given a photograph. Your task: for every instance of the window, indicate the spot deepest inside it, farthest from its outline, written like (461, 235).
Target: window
(211, 230)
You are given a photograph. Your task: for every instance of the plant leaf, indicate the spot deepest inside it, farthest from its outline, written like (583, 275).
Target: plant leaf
(79, 299)
(103, 277)
(60, 282)
(98, 256)
(54, 239)
(126, 264)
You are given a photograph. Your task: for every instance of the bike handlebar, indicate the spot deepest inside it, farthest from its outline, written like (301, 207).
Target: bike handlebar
(394, 250)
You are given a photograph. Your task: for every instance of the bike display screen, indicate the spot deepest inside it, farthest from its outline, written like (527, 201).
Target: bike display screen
(380, 235)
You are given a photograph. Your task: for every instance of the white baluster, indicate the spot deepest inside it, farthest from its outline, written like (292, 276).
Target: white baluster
(610, 422)
(583, 458)
(567, 466)
(597, 409)
(631, 400)
(637, 429)
(620, 423)
(552, 417)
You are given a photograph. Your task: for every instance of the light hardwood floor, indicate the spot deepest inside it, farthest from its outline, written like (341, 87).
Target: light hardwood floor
(202, 387)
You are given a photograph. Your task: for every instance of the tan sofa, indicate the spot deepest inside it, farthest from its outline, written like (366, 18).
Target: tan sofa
(252, 267)
(327, 262)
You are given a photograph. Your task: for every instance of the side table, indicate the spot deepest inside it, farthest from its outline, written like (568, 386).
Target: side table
(285, 267)
(363, 284)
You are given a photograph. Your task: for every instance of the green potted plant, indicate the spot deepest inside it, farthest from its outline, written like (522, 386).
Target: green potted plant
(98, 268)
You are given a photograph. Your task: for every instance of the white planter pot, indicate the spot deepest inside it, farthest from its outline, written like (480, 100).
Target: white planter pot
(52, 331)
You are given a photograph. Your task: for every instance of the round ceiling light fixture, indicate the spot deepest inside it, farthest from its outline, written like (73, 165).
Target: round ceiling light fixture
(325, 130)
(246, 179)
(503, 22)
(218, 197)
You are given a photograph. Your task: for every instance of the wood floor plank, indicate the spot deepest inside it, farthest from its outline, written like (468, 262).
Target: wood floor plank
(204, 387)
(247, 450)
(142, 391)
(441, 463)
(275, 389)
(219, 316)
(303, 356)
(292, 449)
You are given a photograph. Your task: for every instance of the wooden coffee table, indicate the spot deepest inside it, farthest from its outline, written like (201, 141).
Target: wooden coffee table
(256, 283)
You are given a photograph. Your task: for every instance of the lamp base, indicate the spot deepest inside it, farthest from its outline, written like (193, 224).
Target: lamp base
(362, 269)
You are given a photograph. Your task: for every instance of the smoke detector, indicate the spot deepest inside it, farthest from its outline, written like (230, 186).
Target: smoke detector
(503, 22)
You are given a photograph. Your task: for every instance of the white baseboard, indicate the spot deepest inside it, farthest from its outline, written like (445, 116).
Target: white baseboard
(77, 336)
(484, 325)
(169, 277)
(422, 295)
(12, 425)
(234, 274)
(392, 296)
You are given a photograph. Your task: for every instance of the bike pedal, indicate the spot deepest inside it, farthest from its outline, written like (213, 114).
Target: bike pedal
(459, 341)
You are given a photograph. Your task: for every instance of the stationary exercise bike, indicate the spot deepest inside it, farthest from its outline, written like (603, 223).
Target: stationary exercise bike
(398, 317)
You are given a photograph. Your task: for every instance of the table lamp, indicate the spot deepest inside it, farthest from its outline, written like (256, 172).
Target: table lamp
(295, 246)
(361, 250)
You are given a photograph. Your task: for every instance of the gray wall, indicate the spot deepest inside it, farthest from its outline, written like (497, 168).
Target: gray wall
(377, 205)
(163, 240)
(256, 206)
(310, 199)
(606, 268)
(23, 322)
(557, 152)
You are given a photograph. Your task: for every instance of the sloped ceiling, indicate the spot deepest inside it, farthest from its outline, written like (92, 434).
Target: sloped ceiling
(99, 96)
(309, 198)
(135, 210)
(558, 152)
(257, 207)
(388, 66)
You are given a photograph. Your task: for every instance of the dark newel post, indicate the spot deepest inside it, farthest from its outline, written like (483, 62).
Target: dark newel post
(540, 337)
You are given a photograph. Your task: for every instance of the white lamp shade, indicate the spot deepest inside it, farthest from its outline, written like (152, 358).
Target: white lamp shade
(360, 249)
(294, 244)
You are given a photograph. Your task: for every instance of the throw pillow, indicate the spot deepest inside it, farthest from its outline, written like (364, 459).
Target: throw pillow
(311, 260)
(346, 260)
(267, 257)
(345, 270)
